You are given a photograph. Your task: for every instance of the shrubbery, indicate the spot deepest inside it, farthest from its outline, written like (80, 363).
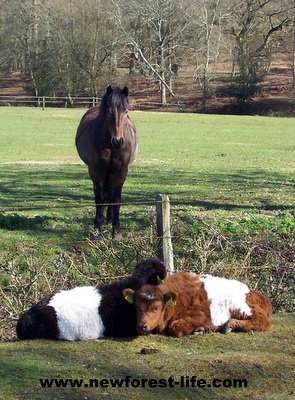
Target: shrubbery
(262, 255)
(241, 89)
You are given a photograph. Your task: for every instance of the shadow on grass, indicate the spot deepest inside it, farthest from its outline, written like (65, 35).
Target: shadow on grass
(31, 186)
(224, 357)
(59, 200)
(16, 222)
(241, 190)
(63, 361)
(71, 184)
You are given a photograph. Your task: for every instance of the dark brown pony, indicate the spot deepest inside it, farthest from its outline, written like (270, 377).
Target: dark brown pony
(106, 141)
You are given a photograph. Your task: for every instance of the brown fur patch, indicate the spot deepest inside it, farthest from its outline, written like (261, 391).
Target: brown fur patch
(260, 320)
(191, 309)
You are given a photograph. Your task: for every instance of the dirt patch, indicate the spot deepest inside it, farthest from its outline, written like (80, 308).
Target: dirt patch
(12, 85)
(145, 350)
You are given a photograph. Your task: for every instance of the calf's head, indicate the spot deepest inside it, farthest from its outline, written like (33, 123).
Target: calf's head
(150, 302)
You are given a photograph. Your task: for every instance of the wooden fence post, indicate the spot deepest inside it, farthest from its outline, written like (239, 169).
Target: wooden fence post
(165, 251)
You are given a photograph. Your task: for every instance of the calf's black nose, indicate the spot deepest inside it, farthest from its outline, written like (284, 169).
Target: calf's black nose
(142, 328)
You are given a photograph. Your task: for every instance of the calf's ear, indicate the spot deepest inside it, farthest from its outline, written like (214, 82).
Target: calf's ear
(170, 299)
(128, 295)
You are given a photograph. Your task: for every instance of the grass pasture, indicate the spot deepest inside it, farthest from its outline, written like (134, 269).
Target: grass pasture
(264, 360)
(231, 185)
(211, 162)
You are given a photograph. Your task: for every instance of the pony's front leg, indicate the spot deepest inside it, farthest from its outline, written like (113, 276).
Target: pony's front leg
(98, 220)
(114, 215)
(98, 180)
(115, 198)
(116, 227)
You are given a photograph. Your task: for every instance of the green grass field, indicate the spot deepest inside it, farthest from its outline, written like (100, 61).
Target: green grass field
(206, 158)
(211, 162)
(265, 360)
(231, 185)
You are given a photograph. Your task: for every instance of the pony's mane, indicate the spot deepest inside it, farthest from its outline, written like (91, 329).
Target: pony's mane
(116, 99)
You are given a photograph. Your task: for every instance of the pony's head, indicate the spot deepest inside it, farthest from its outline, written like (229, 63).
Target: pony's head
(114, 106)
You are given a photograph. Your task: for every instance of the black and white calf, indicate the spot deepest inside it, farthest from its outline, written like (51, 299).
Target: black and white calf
(88, 312)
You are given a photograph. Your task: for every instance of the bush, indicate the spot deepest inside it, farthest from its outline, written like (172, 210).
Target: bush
(255, 251)
(241, 88)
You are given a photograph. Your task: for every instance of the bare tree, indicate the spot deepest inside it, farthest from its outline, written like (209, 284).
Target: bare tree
(61, 48)
(19, 46)
(80, 43)
(209, 18)
(71, 47)
(155, 30)
(253, 26)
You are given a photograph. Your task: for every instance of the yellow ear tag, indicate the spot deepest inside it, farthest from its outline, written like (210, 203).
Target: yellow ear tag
(159, 280)
(170, 302)
(129, 298)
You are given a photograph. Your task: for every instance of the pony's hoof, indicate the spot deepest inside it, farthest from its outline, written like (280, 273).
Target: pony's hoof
(117, 236)
(97, 234)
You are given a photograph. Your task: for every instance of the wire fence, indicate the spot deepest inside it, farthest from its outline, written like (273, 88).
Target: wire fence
(137, 204)
(46, 262)
(15, 209)
(143, 232)
(66, 205)
(153, 227)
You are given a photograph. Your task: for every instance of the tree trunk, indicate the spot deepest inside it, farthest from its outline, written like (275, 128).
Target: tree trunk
(163, 89)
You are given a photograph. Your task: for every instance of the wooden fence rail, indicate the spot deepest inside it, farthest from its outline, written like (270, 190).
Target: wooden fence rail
(86, 102)
(47, 101)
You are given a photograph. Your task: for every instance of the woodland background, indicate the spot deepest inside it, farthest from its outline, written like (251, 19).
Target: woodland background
(203, 55)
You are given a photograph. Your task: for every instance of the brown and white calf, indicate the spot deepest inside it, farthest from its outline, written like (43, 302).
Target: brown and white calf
(187, 303)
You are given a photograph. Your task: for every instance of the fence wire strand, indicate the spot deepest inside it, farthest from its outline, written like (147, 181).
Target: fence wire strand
(66, 205)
